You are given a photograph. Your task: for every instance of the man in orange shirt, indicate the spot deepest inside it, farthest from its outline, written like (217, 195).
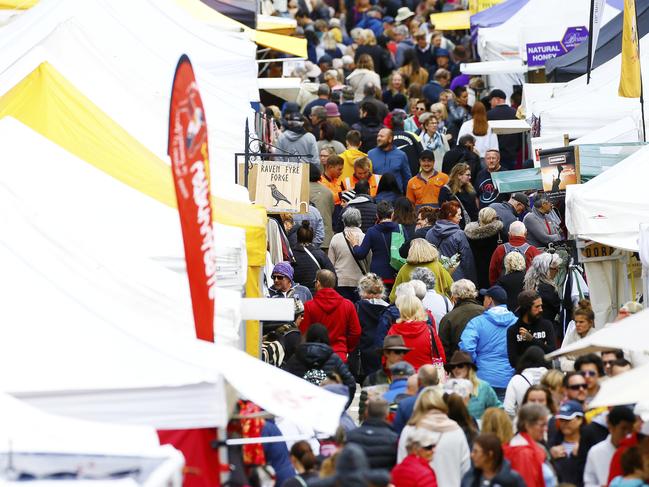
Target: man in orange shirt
(333, 168)
(423, 189)
(362, 171)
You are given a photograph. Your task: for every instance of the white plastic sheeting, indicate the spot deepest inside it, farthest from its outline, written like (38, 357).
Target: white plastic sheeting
(610, 207)
(42, 443)
(93, 330)
(122, 55)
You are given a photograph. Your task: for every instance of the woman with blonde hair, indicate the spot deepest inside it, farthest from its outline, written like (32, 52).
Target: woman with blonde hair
(479, 127)
(363, 75)
(452, 456)
(483, 396)
(553, 381)
(484, 236)
(423, 254)
(496, 421)
(417, 333)
(512, 281)
(439, 110)
(396, 85)
(460, 189)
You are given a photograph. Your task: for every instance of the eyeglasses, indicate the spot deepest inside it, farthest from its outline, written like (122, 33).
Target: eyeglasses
(275, 277)
(429, 447)
(576, 387)
(421, 109)
(589, 373)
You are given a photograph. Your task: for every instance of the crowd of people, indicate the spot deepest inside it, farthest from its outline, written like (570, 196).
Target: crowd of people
(422, 294)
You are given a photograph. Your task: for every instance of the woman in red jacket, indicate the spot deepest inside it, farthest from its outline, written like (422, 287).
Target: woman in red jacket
(414, 470)
(417, 333)
(524, 452)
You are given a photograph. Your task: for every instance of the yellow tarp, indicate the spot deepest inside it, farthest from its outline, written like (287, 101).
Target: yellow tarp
(17, 4)
(53, 107)
(454, 20)
(203, 13)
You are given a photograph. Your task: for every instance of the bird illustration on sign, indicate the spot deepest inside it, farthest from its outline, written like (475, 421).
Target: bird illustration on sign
(277, 195)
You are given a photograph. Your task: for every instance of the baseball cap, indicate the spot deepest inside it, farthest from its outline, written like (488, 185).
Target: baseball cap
(497, 293)
(522, 199)
(402, 369)
(442, 52)
(388, 20)
(427, 154)
(496, 93)
(570, 410)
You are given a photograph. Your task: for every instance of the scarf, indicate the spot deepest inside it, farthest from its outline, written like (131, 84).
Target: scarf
(432, 142)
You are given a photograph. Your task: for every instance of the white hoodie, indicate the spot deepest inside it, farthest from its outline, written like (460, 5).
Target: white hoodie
(518, 386)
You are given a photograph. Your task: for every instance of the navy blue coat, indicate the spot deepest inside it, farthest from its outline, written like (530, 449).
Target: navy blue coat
(449, 239)
(377, 239)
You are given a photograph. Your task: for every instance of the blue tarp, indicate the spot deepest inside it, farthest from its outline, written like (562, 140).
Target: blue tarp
(494, 16)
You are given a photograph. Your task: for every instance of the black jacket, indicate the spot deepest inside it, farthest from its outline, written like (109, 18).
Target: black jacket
(306, 268)
(368, 315)
(543, 332)
(407, 142)
(369, 129)
(568, 469)
(483, 240)
(310, 356)
(551, 301)
(513, 284)
(486, 188)
(365, 204)
(349, 112)
(459, 154)
(468, 201)
(509, 145)
(505, 478)
(379, 442)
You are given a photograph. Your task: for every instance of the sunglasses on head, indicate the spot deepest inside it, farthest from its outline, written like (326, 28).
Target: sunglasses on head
(576, 387)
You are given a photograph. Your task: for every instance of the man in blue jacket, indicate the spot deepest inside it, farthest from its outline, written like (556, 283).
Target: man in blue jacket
(386, 158)
(485, 338)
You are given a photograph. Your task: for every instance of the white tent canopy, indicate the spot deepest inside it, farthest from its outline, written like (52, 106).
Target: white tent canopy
(628, 388)
(630, 334)
(41, 444)
(122, 55)
(623, 130)
(94, 331)
(610, 207)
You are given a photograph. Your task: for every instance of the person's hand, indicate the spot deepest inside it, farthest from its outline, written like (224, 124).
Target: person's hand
(527, 336)
(558, 451)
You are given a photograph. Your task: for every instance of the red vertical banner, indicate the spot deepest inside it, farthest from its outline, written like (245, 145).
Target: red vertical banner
(190, 168)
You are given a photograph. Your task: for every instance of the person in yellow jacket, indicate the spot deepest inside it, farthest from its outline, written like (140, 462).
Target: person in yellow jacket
(362, 170)
(353, 142)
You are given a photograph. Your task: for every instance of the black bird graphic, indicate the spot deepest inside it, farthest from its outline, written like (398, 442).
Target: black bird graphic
(277, 195)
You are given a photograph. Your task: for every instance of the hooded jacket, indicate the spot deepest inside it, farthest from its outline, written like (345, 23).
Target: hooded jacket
(378, 239)
(449, 239)
(452, 457)
(541, 229)
(485, 338)
(418, 336)
(483, 240)
(320, 356)
(527, 459)
(338, 315)
(369, 312)
(369, 129)
(299, 141)
(518, 386)
(506, 477)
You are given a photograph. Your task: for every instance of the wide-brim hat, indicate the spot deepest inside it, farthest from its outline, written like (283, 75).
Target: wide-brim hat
(460, 358)
(404, 13)
(395, 342)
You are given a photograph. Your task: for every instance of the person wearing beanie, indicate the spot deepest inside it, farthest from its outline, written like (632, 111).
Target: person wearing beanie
(283, 285)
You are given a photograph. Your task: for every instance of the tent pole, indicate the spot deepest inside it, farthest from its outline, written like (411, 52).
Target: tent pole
(644, 131)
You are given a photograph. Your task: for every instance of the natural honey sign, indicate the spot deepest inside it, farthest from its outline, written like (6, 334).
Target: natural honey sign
(281, 187)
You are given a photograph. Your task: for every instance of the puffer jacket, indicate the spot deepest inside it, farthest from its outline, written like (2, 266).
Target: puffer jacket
(413, 471)
(485, 338)
(310, 356)
(483, 240)
(449, 239)
(306, 268)
(379, 442)
(506, 477)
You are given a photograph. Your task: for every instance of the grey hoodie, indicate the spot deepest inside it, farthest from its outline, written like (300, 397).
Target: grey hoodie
(299, 142)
